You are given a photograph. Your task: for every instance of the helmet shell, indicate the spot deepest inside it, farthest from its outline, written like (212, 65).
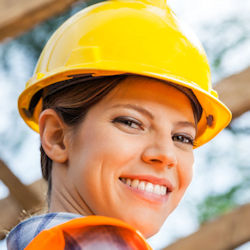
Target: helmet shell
(135, 37)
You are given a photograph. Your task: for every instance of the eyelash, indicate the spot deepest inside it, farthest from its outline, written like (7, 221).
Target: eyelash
(127, 121)
(183, 139)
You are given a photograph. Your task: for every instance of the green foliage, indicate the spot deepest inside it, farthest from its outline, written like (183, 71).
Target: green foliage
(215, 205)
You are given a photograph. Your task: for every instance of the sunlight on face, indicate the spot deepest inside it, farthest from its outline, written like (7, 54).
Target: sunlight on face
(131, 158)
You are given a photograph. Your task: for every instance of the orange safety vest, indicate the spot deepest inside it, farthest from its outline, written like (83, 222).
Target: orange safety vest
(91, 232)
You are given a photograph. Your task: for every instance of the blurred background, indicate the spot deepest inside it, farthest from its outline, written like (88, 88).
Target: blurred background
(221, 184)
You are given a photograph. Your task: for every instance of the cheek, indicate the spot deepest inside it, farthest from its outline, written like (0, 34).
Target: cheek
(111, 145)
(102, 153)
(99, 157)
(185, 170)
(184, 175)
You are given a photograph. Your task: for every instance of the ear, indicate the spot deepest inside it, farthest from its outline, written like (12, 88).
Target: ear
(53, 136)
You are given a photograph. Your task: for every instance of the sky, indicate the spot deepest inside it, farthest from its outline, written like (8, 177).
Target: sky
(202, 16)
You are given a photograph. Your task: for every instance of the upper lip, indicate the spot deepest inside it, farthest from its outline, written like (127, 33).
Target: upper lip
(153, 179)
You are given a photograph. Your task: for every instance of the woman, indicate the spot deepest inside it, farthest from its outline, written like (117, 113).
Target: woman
(121, 96)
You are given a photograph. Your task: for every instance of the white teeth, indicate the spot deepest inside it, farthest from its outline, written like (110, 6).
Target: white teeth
(147, 186)
(163, 190)
(141, 185)
(128, 182)
(157, 189)
(135, 183)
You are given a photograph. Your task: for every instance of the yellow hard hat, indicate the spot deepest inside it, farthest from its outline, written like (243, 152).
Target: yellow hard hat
(141, 37)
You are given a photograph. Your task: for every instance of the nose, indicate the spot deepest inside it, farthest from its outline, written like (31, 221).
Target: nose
(160, 155)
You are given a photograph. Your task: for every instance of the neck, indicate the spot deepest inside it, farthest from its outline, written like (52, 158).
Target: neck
(64, 196)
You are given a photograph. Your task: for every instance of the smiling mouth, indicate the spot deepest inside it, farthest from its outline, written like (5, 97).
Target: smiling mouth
(146, 186)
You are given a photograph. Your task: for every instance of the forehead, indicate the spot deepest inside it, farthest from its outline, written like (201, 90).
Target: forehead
(152, 91)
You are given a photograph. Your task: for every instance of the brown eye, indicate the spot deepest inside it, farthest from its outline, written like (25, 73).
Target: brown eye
(183, 139)
(129, 122)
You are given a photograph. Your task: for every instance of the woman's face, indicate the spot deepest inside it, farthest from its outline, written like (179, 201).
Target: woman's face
(131, 158)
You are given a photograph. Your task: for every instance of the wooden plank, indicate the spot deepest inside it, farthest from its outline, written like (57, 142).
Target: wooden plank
(22, 15)
(24, 196)
(11, 211)
(227, 232)
(234, 91)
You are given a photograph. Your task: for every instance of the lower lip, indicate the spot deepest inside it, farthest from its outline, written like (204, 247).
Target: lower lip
(146, 196)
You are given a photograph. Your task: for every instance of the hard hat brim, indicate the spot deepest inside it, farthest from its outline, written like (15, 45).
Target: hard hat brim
(213, 109)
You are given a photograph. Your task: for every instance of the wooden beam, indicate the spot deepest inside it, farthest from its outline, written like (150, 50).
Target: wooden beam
(11, 211)
(22, 15)
(227, 232)
(234, 91)
(23, 195)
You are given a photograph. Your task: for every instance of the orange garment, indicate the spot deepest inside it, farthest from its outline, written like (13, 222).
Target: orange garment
(91, 232)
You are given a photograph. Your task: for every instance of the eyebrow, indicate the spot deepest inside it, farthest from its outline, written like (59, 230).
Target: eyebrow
(149, 114)
(137, 108)
(186, 124)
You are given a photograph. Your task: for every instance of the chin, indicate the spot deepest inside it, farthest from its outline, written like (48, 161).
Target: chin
(147, 228)
(150, 234)
(149, 231)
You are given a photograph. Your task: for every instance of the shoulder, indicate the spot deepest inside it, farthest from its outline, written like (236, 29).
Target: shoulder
(24, 232)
